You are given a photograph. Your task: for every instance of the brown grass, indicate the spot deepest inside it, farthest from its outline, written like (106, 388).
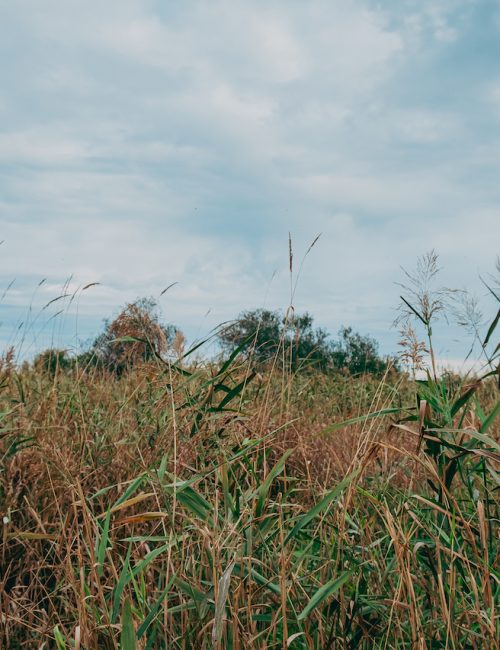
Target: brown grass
(419, 573)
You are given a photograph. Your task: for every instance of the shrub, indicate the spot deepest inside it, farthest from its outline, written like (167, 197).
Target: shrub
(291, 339)
(357, 354)
(52, 360)
(135, 335)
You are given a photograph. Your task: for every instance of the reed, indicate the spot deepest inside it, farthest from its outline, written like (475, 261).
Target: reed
(196, 504)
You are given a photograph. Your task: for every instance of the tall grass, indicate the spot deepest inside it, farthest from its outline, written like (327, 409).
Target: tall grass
(199, 505)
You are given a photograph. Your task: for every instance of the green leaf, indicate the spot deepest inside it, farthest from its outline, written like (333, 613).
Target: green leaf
(491, 329)
(463, 399)
(360, 418)
(163, 467)
(242, 570)
(234, 354)
(152, 555)
(128, 640)
(220, 605)
(134, 485)
(122, 581)
(322, 505)
(103, 544)
(154, 610)
(324, 592)
(235, 391)
(265, 487)
(196, 594)
(490, 418)
(195, 502)
(473, 434)
(59, 638)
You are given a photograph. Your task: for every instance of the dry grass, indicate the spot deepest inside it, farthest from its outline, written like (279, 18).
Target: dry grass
(142, 513)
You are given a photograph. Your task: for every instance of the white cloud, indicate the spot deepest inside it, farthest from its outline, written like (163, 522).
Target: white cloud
(425, 126)
(148, 142)
(241, 107)
(279, 50)
(34, 147)
(390, 193)
(491, 95)
(438, 18)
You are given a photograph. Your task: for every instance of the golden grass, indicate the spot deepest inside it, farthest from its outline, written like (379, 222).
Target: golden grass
(127, 526)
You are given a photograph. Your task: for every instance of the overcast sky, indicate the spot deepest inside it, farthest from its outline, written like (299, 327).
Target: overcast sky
(144, 143)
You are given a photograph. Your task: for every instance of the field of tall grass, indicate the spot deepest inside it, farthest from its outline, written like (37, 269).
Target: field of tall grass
(209, 504)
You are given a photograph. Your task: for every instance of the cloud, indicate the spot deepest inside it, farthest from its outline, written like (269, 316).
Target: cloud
(144, 143)
(425, 126)
(241, 108)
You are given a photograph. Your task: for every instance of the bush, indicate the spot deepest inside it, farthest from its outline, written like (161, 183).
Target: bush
(52, 360)
(135, 335)
(290, 340)
(293, 340)
(357, 354)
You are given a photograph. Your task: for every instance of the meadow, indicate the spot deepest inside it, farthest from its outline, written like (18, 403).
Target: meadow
(186, 503)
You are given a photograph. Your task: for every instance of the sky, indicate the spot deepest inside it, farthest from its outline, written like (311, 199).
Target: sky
(144, 143)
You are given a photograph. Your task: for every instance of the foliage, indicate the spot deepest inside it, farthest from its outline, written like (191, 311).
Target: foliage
(356, 353)
(259, 330)
(52, 360)
(202, 505)
(292, 342)
(170, 543)
(135, 335)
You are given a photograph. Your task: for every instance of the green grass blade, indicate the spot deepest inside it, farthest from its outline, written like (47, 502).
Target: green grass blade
(360, 418)
(103, 544)
(122, 581)
(491, 329)
(323, 592)
(320, 506)
(490, 418)
(220, 605)
(59, 638)
(128, 640)
(264, 488)
(154, 610)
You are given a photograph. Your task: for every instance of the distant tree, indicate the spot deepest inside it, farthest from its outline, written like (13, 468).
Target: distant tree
(307, 345)
(52, 360)
(268, 334)
(357, 354)
(135, 335)
(258, 330)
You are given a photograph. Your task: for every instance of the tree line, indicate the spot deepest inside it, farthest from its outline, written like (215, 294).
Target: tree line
(288, 340)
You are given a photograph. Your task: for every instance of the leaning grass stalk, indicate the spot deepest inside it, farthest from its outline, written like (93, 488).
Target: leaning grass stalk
(283, 575)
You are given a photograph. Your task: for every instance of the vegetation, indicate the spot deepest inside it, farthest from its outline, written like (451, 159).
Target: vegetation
(136, 335)
(292, 343)
(181, 503)
(52, 361)
(359, 354)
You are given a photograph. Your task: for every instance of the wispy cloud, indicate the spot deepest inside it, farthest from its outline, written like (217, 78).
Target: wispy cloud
(145, 143)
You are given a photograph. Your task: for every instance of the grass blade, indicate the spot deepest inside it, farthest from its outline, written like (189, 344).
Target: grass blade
(220, 605)
(321, 505)
(128, 640)
(324, 592)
